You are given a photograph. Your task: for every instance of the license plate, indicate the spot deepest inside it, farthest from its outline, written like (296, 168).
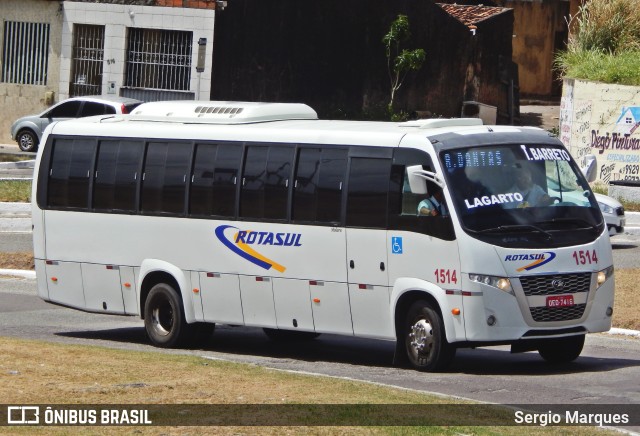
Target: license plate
(560, 301)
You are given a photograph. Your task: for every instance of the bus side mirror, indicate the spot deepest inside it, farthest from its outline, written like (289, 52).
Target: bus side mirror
(590, 168)
(417, 184)
(418, 178)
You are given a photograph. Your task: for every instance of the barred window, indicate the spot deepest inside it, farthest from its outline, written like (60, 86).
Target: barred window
(158, 59)
(88, 58)
(25, 53)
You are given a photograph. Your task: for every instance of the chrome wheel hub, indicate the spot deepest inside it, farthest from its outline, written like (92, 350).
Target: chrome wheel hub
(421, 337)
(163, 320)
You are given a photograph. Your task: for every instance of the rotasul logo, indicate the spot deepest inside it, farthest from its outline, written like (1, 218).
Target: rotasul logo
(536, 260)
(240, 242)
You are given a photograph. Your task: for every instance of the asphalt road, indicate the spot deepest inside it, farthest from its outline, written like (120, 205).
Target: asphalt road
(15, 242)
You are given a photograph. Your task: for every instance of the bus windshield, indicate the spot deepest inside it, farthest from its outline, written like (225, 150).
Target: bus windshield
(521, 195)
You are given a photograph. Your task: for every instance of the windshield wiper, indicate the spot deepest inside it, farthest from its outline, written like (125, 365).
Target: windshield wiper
(516, 228)
(577, 221)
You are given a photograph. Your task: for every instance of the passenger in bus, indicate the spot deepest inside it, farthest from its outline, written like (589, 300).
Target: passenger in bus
(435, 205)
(532, 194)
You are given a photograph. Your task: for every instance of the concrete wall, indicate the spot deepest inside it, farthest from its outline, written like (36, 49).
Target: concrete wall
(18, 100)
(604, 120)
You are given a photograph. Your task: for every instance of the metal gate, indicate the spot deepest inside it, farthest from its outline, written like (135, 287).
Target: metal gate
(158, 64)
(88, 55)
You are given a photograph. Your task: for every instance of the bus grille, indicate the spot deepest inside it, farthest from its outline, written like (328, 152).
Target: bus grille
(544, 285)
(547, 314)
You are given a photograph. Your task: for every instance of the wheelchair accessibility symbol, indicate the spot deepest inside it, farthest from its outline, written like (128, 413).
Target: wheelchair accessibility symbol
(396, 245)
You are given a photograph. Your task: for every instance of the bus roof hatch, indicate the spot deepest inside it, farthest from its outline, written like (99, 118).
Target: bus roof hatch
(221, 112)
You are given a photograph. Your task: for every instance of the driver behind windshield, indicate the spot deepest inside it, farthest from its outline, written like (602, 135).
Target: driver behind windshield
(532, 194)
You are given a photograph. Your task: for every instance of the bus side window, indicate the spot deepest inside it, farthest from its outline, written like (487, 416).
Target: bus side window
(305, 190)
(214, 179)
(333, 172)
(367, 192)
(164, 177)
(266, 180)
(410, 200)
(70, 173)
(277, 182)
(320, 175)
(117, 175)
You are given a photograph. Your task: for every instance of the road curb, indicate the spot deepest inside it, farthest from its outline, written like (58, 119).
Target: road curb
(29, 164)
(27, 274)
(625, 332)
(15, 210)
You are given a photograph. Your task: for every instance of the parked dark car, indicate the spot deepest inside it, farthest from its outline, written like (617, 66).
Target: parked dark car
(27, 131)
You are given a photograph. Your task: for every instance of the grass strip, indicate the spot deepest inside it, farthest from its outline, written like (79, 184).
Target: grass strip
(15, 190)
(35, 372)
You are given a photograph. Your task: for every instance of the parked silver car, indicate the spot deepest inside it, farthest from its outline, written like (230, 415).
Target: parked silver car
(27, 131)
(613, 213)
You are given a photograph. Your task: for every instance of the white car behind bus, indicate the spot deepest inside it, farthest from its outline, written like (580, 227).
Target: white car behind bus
(613, 213)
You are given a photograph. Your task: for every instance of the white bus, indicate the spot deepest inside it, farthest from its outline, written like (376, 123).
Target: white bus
(190, 214)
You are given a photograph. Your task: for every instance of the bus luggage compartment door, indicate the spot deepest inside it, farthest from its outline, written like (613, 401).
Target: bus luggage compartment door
(64, 281)
(102, 288)
(257, 301)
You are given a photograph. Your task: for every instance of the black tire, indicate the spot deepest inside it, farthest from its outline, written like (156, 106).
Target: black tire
(562, 350)
(425, 339)
(27, 140)
(164, 317)
(289, 335)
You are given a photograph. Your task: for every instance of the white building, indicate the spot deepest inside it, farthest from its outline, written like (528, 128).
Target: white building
(52, 50)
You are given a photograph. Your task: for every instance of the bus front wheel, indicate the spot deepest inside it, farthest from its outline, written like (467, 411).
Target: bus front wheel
(562, 350)
(425, 340)
(164, 317)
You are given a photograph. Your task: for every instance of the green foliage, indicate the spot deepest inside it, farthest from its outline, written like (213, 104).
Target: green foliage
(555, 131)
(622, 68)
(15, 190)
(610, 26)
(605, 44)
(400, 60)
(398, 117)
(10, 157)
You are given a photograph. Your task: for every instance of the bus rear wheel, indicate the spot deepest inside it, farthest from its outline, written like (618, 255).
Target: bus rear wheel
(562, 350)
(425, 340)
(164, 317)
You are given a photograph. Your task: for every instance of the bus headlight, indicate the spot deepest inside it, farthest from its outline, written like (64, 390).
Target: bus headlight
(502, 283)
(603, 276)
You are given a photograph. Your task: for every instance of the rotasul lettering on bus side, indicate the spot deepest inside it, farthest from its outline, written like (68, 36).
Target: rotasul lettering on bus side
(268, 238)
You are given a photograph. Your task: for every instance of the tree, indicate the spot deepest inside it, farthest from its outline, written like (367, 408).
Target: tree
(400, 60)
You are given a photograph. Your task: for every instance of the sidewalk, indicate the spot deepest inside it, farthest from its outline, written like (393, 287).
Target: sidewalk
(21, 170)
(15, 217)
